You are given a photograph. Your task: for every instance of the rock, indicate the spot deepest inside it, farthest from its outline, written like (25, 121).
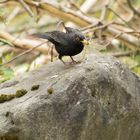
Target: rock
(98, 99)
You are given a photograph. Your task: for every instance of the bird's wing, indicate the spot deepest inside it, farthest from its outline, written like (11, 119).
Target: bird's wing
(55, 36)
(71, 30)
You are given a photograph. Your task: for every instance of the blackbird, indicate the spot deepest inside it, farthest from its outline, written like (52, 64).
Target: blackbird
(67, 43)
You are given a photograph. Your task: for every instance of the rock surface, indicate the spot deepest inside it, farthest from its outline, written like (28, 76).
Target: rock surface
(98, 99)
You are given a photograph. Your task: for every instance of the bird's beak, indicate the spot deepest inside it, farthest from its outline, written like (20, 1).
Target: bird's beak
(85, 42)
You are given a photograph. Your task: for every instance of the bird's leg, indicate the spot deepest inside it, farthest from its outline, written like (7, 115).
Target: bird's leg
(63, 62)
(73, 61)
(60, 57)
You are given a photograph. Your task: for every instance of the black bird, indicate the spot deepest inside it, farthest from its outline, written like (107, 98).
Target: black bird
(67, 43)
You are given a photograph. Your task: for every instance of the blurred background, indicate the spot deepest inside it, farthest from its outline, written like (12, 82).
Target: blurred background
(111, 26)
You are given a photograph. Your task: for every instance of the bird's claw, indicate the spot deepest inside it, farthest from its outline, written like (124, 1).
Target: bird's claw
(74, 62)
(71, 63)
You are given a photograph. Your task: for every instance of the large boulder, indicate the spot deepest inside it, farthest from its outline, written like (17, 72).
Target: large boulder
(98, 99)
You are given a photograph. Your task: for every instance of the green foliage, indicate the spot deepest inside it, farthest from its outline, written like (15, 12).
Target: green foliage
(136, 69)
(3, 14)
(133, 62)
(137, 2)
(6, 74)
(20, 24)
(137, 58)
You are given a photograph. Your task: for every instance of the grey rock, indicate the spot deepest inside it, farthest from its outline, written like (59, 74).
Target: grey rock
(98, 99)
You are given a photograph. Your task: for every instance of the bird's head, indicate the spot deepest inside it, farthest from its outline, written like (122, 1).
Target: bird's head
(81, 38)
(78, 36)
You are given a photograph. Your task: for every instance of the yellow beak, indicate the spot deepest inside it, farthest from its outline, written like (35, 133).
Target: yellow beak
(85, 42)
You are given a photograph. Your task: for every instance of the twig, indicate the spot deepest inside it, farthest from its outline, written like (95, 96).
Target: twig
(87, 5)
(26, 7)
(102, 17)
(132, 8)
(104, 11)
(97, 27)
(67, 14)
(117, 36)
(89, 26)
(63, 12)
(130, 40)
(13, 14)
(4, 1)
(120, 54)
(23, 43)
(23, 53)
(83, 9)
(121, 18)
(113, 39)
(76, 7)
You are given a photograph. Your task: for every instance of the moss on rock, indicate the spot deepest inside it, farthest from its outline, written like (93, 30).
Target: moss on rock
(19, 93)
(50, 90)
(35, 87)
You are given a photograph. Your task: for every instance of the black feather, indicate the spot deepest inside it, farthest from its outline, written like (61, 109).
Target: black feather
(66, 44)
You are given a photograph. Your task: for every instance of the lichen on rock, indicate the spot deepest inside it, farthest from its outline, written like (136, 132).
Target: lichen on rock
(8, 97)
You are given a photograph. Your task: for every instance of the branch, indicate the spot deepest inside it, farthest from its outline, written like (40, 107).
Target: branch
(120, 54)
(133, 8)
(87, 5)
(82, 20)
(130, 40)
(23, 53)
(26, 7)
(65, 13)
(121, 18)
(3, 1)
(24, 43)
(104, 11)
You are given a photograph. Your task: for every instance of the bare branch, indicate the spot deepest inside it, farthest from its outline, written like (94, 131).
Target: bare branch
(83, 20)
(23, 53)
(104, 11)
(121, 18)
(133, 8)
(120, 54)
(87, 5)
(26, 7)
(64, 13)
(3, 1)
(24, 43)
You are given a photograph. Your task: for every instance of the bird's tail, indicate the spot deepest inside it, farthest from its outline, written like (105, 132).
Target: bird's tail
(47, 36)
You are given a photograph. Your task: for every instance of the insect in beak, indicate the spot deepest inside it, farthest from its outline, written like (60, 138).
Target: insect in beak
(85, 42)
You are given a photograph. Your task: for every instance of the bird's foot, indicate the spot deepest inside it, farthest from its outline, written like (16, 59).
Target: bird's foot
(75, 62)
(72, 63)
